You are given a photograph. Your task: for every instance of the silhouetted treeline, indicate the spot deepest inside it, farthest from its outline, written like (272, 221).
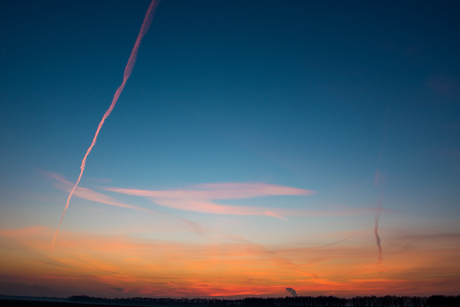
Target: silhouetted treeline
(301, 301)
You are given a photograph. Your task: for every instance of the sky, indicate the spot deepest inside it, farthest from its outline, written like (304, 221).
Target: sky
(256, 146)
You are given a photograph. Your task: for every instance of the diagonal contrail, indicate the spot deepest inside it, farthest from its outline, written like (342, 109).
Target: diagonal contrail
(128, 69)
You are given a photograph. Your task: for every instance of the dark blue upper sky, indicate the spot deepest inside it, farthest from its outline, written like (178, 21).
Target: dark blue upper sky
(309, 94)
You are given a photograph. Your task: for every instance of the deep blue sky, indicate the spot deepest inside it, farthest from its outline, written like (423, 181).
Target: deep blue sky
(316, 95)
(234, 90)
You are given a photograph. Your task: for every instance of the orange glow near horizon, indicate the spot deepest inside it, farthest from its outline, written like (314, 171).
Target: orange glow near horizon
(128, 266)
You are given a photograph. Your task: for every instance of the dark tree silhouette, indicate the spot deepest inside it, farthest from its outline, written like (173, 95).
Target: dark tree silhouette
(301, 301)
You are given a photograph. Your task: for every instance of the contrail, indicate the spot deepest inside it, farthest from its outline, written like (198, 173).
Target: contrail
(128, 69)
(376, 229)
(379, 183)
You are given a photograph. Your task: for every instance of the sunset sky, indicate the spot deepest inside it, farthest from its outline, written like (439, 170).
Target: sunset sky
(257, 145)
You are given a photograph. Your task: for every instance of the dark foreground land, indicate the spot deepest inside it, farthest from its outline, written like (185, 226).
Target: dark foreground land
(302, 301)
(37, 302)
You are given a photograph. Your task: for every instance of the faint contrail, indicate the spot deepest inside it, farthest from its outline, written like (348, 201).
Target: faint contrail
(128, 69)
(376, 229)
(379, 183)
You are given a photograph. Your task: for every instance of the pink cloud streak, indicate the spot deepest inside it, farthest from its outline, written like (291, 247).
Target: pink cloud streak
(219, 191)
(89, 194)
(128, 69)
(185, 199)
(209, 207)
(198, 197)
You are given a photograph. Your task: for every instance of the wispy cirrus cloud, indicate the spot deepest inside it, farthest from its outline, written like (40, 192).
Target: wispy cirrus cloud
(89, 194)
(219, 191)
(198, 198)
(212, 208)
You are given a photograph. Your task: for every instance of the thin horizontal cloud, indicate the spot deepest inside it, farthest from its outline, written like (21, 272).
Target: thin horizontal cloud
(198, 198)
(209, 207)
(219, 191)
(89, 194)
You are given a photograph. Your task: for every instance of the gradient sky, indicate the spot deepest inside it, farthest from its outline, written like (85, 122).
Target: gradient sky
(250, 151)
